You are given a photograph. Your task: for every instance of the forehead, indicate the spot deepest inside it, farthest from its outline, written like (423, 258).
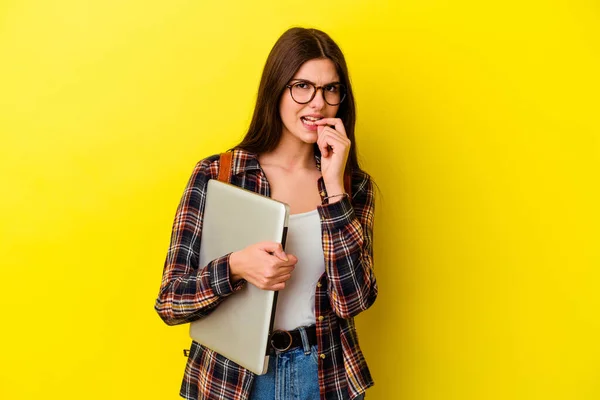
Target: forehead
(319, 71)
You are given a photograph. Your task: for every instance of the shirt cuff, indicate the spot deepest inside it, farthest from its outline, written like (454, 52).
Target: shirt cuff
(336, 215)
(219, 277)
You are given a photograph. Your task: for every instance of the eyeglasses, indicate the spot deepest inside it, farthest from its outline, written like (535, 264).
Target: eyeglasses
(304, 92)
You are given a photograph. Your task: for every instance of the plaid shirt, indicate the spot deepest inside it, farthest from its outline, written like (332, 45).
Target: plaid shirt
(190, 291)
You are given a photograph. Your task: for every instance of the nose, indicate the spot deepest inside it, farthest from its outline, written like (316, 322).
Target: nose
(318, 102)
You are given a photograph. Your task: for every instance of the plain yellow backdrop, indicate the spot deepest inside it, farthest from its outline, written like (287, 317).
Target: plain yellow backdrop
(478, 120)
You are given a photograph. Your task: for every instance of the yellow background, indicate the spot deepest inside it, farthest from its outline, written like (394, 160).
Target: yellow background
(479, 121)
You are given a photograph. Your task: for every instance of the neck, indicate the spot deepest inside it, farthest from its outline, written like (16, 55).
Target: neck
(290, 154)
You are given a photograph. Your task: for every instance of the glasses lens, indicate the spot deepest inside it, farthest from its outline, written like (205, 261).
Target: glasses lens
(302, 92)
(334, 94)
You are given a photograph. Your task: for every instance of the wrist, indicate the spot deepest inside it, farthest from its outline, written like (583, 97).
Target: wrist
(234, 272)
(335, 198)
(334, 187)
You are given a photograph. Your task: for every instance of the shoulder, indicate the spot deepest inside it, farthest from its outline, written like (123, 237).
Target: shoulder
(207, 168)
(241, 160)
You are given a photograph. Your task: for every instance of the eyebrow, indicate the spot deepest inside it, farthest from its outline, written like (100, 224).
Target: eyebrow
(306, 80)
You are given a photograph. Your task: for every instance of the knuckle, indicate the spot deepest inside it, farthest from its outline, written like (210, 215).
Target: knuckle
(269, 273)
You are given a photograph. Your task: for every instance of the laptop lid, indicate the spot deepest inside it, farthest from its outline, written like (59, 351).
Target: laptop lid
(239, 327)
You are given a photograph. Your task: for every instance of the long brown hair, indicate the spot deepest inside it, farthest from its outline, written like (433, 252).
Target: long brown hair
(295, 47)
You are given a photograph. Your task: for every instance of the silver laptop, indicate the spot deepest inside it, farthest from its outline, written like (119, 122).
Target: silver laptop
(239, 327)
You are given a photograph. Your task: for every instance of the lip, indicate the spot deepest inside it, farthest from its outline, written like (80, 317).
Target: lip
(313, 115)
(310, 127)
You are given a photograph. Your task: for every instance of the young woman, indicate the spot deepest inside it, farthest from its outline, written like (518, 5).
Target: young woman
(299, 149)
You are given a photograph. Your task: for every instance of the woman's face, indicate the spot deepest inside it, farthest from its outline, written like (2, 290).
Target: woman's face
(298, 118)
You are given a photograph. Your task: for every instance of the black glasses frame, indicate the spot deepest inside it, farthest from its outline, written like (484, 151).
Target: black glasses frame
(316, 89)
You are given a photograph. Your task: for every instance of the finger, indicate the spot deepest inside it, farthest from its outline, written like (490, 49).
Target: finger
(283, 270)
(333, 140)
(335, 122)
(281, 255)
(326, 140)
(329, 121)
(277, 287)
(275, 249)
(321, 143)
(293, 260)
(282, 278)
(330, 131)
(329, 135)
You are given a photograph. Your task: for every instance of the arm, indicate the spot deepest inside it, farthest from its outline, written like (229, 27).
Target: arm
(189, 291)
(347, 231)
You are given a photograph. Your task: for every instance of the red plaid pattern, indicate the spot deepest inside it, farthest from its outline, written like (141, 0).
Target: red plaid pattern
(189, 291)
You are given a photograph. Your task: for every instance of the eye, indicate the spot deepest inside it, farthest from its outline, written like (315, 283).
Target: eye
(302, 85)
(331, 88)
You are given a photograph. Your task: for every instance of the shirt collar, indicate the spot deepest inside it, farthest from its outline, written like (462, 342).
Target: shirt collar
(244, 161)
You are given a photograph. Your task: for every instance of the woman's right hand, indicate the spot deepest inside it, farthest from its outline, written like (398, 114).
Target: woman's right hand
(263, 264)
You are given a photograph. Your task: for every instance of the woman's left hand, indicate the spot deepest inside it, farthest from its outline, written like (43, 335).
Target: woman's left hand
(335, 146)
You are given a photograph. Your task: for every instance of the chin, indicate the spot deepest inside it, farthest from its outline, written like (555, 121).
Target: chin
(309, 137)
(305, 135)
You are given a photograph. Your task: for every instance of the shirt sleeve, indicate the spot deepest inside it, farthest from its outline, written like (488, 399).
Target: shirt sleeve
(189, 291)
(347, 231)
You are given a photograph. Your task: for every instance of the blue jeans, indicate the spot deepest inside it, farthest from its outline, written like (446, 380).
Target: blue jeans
(292, 375)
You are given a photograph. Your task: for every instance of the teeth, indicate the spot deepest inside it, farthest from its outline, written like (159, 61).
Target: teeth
(310, 120)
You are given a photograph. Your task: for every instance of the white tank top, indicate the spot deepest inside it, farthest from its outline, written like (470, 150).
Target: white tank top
(296, 303)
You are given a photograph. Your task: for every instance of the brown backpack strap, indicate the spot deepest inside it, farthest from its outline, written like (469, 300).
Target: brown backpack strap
(225, 166)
